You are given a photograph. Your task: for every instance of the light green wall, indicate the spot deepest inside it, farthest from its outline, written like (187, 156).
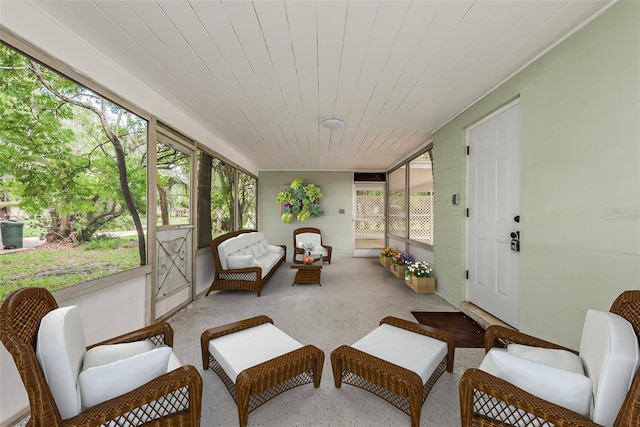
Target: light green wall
(337, 193)
(580, 167)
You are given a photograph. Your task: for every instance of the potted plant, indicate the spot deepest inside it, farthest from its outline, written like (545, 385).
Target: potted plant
(419, 277)
(386, 255)
(399, 262)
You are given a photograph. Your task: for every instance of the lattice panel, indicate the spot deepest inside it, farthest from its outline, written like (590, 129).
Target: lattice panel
(171, 403)
(250, 276)
(421, 218)
(492, 408)
(396, 214)
(369, 223)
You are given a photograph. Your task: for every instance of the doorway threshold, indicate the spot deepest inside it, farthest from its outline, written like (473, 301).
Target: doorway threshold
(480, 316)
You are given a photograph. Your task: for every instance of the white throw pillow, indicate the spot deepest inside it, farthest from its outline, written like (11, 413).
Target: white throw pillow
(567, 389)
(273, 249)
(240, 261)
(101, 383)
(60, 348)
(109, 353)
(255, 251)
(555, 358)
(262, 249)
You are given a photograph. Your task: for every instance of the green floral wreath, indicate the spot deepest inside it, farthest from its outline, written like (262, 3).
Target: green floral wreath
(298, 201)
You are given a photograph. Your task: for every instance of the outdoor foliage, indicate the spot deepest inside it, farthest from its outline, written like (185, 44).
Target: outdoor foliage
(70, 153)
(57, 268)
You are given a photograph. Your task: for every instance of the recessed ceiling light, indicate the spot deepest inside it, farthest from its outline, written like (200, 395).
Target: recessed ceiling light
(332, 123)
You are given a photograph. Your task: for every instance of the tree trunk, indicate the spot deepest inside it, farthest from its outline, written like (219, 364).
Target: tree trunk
(164, 205)
(205, 227)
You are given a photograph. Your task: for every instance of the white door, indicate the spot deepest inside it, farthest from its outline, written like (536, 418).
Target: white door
(494, 209)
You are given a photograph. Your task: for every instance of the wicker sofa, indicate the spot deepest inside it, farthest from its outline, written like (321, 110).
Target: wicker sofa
(244, 260)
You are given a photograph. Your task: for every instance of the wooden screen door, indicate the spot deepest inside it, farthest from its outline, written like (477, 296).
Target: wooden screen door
(494, 208)
(174, 284)
(368, 218)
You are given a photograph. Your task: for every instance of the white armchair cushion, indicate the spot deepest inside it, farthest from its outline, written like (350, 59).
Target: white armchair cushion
(567, 389)
(306, 246)
(60, 349)
(104, 382)
(240, 261)
(309, 238)
(555, 358)
(609, 350)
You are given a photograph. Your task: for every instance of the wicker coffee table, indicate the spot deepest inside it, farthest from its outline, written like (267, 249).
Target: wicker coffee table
(308, 273)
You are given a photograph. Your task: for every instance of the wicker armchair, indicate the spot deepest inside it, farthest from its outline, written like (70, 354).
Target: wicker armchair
(305, 235)
(480, 388)
(177, 393)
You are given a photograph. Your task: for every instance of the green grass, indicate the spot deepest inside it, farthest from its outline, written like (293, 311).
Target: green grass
(57, 268)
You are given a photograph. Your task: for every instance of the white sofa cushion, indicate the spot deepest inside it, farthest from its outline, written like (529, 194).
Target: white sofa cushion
(559, 359)
(273, 249)
(60, 349)
(412, 351)
(609, 350)
(104, 382)
(564, 388)
(240, 261)
(250, 347)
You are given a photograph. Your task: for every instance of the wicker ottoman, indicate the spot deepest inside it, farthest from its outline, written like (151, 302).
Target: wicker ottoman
(399, 361)
(257, 361)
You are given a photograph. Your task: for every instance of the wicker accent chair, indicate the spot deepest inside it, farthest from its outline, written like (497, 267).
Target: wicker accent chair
(173, 399)
(308, 235)
(481, 388)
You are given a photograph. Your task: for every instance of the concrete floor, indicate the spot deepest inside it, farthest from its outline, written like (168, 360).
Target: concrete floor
(355, 294)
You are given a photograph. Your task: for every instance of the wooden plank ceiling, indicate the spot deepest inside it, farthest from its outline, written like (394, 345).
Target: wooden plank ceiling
(263, 74)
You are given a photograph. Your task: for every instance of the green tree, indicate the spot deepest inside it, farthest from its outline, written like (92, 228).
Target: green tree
(71, 151)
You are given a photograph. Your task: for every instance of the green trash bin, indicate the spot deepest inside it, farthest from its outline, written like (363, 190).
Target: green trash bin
(11, 234)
